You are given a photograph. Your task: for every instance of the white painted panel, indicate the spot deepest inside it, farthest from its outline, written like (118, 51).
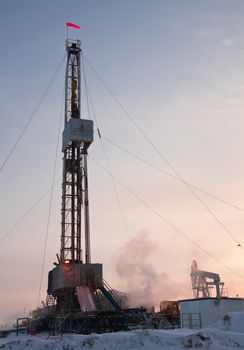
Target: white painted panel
(210, 310)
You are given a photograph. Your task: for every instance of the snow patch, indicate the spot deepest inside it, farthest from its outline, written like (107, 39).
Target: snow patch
(232, 322)
(226, 334)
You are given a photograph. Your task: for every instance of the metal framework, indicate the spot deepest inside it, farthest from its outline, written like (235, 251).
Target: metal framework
(75, 285)
(78, 297)
(74, 166)
(204, 281)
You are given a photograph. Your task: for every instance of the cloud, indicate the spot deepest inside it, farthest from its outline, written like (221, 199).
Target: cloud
(227, 42)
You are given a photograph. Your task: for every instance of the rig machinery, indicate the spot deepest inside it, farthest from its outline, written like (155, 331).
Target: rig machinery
(78, 298)
(73, 284)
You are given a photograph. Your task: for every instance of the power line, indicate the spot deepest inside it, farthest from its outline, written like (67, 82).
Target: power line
(183, 234)
(45, 91)
(162, 156)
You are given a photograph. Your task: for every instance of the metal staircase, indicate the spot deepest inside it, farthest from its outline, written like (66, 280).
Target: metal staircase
(113, 297)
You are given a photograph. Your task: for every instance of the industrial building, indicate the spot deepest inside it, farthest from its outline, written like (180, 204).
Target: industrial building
(206, 309)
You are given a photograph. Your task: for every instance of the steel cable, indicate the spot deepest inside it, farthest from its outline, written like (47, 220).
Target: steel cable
(183, 234)
(45, 91)
(18, 222)
(89, 99)
(171, 175)
(162, 156)
(50, 202)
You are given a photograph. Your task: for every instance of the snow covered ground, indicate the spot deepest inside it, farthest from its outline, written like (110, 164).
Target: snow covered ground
(226, 334)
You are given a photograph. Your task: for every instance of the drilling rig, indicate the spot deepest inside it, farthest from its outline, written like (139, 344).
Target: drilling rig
(76, 285)
(78, 298)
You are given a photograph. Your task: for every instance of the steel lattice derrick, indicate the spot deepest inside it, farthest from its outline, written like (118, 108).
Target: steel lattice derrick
(72, 163)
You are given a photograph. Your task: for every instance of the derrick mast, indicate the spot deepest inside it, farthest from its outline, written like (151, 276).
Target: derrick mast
(73, 283)
(77, 136)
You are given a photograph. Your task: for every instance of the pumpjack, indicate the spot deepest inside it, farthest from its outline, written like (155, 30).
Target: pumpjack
(204, 281)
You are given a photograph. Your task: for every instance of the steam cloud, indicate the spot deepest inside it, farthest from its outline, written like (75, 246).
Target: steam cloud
(145, 287)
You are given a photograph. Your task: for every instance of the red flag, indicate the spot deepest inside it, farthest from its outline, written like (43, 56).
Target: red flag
(69, 24)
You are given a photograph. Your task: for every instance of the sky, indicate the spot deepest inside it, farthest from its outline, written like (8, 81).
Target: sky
(177, 68)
